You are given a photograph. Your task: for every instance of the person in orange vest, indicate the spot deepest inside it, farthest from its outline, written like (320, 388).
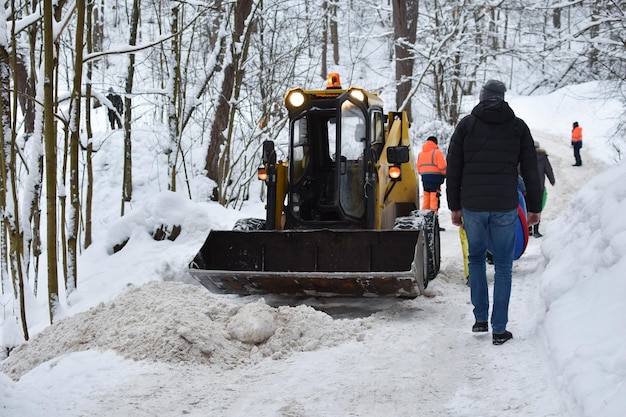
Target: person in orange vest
(577, 143)
(431, 165)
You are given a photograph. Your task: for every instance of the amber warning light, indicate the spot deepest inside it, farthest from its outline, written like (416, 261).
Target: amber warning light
(333, 81)
(394, 172)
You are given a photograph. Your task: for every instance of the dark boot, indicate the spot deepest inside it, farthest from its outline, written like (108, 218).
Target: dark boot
(530, 230)
(536, 231)
(501, 338)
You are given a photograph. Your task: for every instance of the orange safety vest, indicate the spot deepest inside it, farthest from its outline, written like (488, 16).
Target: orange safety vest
(431, 160)
(577, 134)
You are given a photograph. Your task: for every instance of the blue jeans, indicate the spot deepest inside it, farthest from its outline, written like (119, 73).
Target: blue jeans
(496, 230)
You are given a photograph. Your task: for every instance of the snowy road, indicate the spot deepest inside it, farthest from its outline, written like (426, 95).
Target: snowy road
(416, 358)
(374, 358)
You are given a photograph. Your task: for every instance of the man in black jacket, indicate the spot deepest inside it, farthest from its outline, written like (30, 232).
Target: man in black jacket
(115, 111)
(486, 150)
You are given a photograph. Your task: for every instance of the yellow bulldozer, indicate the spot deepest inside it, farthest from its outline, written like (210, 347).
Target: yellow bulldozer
(342, 212)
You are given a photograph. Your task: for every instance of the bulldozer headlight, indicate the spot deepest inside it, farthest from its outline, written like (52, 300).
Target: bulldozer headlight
(395, 172)
(357, 94)
(295, 99)
(261, 173)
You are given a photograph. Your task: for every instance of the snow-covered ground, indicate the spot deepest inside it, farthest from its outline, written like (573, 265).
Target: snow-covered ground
(141, 338)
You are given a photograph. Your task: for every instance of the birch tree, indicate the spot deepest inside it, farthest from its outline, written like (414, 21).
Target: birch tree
(174, 95)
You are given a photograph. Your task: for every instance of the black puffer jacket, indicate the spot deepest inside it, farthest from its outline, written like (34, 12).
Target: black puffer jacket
(485, 152)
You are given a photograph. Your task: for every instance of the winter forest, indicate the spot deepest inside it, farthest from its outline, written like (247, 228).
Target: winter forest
(205, 82)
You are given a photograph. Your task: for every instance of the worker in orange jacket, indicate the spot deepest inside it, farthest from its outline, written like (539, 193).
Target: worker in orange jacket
(431, 165)
(577, 143)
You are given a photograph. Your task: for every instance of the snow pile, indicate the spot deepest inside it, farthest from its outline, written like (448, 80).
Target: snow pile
(585, 299)
(148, 323)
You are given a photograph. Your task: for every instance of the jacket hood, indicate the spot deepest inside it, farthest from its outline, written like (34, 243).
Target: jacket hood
(493, 111)
(429, 146)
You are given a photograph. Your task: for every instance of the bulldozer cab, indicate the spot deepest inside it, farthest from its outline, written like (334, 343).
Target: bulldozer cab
(330, 156)
(342, 150)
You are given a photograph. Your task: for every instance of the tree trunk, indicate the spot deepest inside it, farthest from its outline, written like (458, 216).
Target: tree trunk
(593, 52)
(98, 24)
(127, 188)
(556, 17)
(88, 196)
(25, 88)
(75, 112)
(174, 104)
(222, 113)
(324, 63)
(11, 240)
(5, 141)
(29, 126)
(50, 158)
(334, 32)
(405, 14)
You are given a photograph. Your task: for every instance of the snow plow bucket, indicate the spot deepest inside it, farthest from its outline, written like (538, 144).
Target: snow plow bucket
(317, 263)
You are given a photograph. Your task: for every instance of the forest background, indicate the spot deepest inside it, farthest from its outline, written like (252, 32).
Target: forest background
(205, 81)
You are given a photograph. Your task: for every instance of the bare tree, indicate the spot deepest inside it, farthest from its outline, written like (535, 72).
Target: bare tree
(50, 157)
(5, 115)
(127, 187)
(174, 95)
(92, 37)
(232, 75)
(71, 275)
(334, 32)
(405, 18)
(324, 46)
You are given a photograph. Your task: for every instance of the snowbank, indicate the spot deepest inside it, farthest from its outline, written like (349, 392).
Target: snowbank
(583, 287)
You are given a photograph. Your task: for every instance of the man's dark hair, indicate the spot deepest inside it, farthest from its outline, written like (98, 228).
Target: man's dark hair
(432, 139)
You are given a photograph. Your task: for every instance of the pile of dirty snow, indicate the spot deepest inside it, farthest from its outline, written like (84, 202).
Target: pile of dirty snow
(182, 323)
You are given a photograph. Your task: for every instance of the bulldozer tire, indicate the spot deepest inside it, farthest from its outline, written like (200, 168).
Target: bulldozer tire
(431, 227)
(427, 221)
(420, 266)
(416, 222)
(249, 224)
(408, 223)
